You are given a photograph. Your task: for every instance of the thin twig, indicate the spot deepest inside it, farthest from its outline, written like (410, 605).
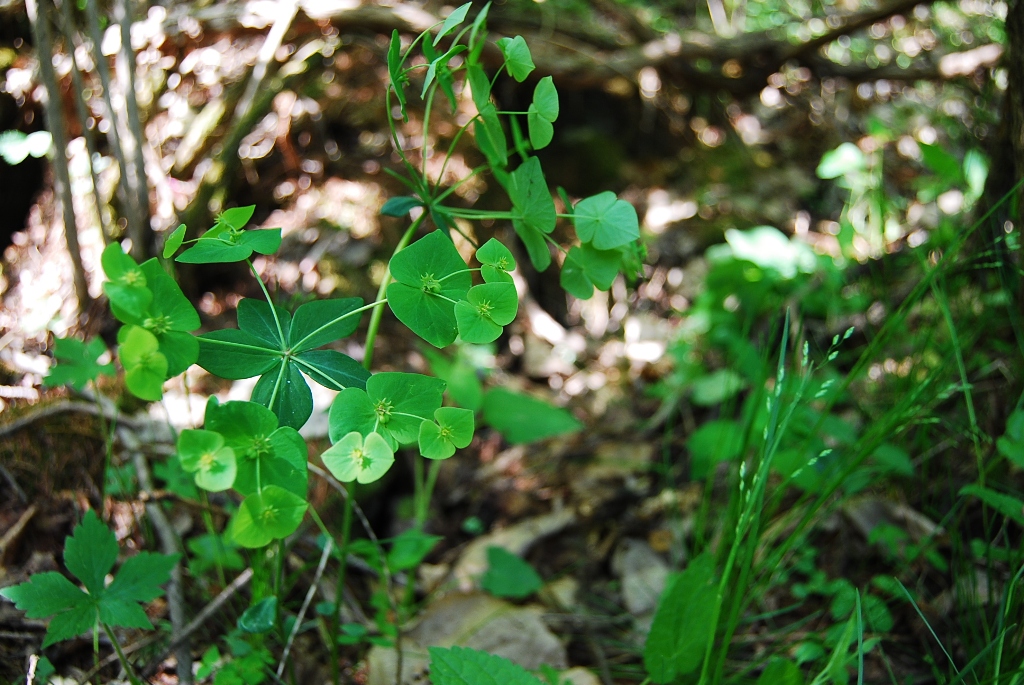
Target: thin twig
(328, 546)
(38, 17)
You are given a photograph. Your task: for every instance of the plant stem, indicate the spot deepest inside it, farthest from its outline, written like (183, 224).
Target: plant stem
(423, 505)
(266, 294)
(120, 655)
(385, 281)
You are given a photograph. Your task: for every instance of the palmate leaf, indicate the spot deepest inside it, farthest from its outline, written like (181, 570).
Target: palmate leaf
(77, 363)
(393, 404)
(204, 454)
(89, 554)
(278, 347)
(606, 221)
(430, 277)
(145, 367)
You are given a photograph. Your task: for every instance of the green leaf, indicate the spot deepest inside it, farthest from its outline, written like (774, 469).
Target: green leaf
(355, 458)
(439, 67)
(942, 163)
(714, 442)
(716, 387)
(234, 354)
(573, 278)
(457, 16)
(126, 287)
(76, 620)
(490, 137)
(145, 367)
(487, 308)
(496, 261)
(517, 57)
(265, 241)
(46, 594)
(139, 579)
(534, 210)
(523, 419)
(174, 241)
(465, 666)
(545, 99)
(271, 326)
(394, 404)
(479, 30)
(426, 315)
(273, 513)
(204, 454)
(77, 363)
(214, 250)
(781, 672)
(541, 130)
(479, 84)
(323, 321)
(453, 430)
(400, 206)
(236, 217)
(606, 221)
(260, 617)
(398, 79)
(683, 623)
(410, 548)
(210, 551)
(285, 392)
(1007, 505)
(332, 369)
(509, 575)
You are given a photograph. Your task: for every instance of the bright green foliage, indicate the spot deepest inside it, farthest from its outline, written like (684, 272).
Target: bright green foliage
(457, 16)
(430, 277)
(524, 419)
(260, 617)
(533, 209)
(585, 267)
(714, 442)
(145, 367)
(89, 554)
(410, 548)
(77, 363)
(509, 575)
(606, 221)
(518, 60)
(354, 458)
(453, 430)
(465, 666)
(126, 284)
(280, 348)
(174, 241)
(228, 242)
(542, 113)
(264, 452)
(398, 78)
(393, 404)
(210, 551)
(486, 309)
(781, 672)
(496, 262)
(169, 316)
(1007, 505)
(439, 68)
(683, 623)
(204, 454)
(270, 514)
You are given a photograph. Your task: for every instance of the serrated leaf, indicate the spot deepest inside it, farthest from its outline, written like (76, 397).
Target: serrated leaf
(76, 620)
(174, 241)
(140, 577)
(606, 221)
(317, 323)
(518, 60)
(355, 458)
(509, 575)
(273, 513)
(45, 594)
(524, 419)
(77, 363)
(465, 666)
(400, 206)
(457, 16)
(204, 454)
(683, 622)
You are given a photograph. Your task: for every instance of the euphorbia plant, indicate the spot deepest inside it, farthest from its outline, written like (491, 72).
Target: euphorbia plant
(253, 447)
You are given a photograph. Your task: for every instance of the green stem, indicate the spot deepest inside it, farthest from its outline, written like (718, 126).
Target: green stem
(462, 271)
(243, 346)
(426, 129)
(266, 294)
(480, 214)
(428, 491)
(385, 281)
(555, 243)
(455, 186)
(120, 655)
